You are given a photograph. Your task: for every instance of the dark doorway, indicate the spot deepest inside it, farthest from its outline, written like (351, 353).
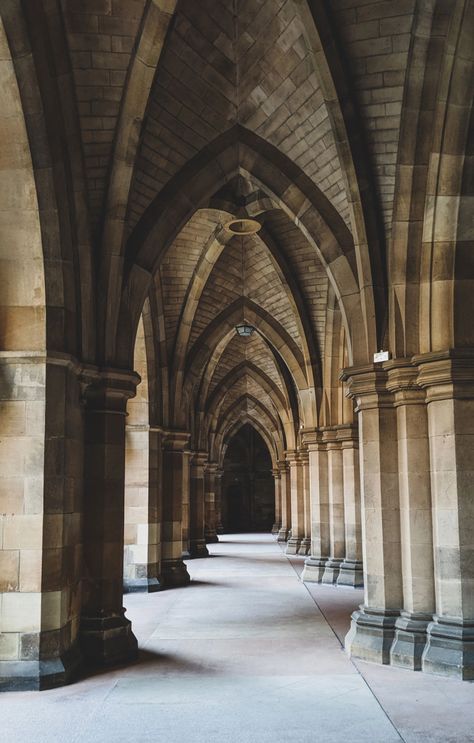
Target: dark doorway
(248, 489)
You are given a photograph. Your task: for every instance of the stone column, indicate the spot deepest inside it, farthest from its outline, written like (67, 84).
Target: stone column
(305, 546)
(106, 634)
(210, 531)
(336, 506)
(415, 515)
(315, 565)
(277, 478)
(373, 626)
(297, 501)
(142, 543)
(351, 572)
(175, 459)
(285, 501)
(41, 484)
(218, 482)
(155, 506)
(197, 541)
(448, 378)
(185, 526)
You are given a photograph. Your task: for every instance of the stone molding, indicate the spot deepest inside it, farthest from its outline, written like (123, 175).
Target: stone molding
(440, 375)
(176, 440)
(447, 374)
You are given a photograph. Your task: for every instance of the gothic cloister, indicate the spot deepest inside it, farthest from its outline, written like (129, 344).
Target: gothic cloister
(236, 295)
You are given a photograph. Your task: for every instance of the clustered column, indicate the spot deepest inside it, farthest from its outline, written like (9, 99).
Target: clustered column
(106, 635)
(336, 506)
(336, 539)
(415, 516)
(197, 539)
(416, 434)
(277, 478)
(175, 477)
(305, 546)
(351, 572)
(318, 482)
(210, 531)
(218, 485)
(373, 626)
(448, 379)
(285, 500)
(297, 501)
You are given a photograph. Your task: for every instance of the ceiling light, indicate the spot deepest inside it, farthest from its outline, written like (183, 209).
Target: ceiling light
(243, 226)
(244, 330)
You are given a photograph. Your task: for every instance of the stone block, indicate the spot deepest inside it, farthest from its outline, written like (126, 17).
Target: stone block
(9, 570)
(9, 645)
(23, 532)
(21, 612)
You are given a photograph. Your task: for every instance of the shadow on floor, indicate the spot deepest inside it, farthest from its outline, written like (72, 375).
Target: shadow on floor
(148, 661)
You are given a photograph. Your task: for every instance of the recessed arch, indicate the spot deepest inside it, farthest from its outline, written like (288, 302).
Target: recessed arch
(233, 430)
(230, 425)
(239, 151)
(217, 400)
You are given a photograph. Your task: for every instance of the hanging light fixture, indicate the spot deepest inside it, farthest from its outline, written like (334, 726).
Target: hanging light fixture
(243, 329)
(243, 226)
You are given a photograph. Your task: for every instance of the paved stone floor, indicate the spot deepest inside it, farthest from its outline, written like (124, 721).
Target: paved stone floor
(246, 653)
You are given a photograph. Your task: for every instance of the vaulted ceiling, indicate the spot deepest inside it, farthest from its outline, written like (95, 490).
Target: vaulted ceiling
(191, 114)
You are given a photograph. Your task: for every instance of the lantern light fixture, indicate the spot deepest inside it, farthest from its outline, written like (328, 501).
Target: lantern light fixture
(244, 330)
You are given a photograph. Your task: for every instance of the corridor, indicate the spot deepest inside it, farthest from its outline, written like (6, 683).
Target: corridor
(243, 654)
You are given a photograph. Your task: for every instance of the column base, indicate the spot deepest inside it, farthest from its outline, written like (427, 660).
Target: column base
(313, 570)
(174, 574)
(293, 546)
(332, 570)
(197, 548)
(141, 585)
(276, 529)
(40, 675)
(371, 634)
(282, 535)
(107, 640)
(305, 546)
(449, 649)
(211, 537)
(351, 574)
(219, 529)
(410, 640)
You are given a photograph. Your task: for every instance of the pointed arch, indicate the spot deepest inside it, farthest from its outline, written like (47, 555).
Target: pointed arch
(239, 151)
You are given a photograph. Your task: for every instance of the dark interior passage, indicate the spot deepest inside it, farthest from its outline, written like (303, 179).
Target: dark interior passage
(248, 487)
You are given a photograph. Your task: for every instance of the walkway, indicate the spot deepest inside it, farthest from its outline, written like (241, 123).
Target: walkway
(243, 655)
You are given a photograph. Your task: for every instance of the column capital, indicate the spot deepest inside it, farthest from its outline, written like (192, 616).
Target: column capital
(402, 381)
(330, 438)
(276, 473)
(107, 389)
(304, 455)
(198, 462)
(446, 374)
(283, 466)
(175, 440)
(312, 438)
(293, 456)
(200, 457)
(367, 384)
(212, 468)
(347, 433)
